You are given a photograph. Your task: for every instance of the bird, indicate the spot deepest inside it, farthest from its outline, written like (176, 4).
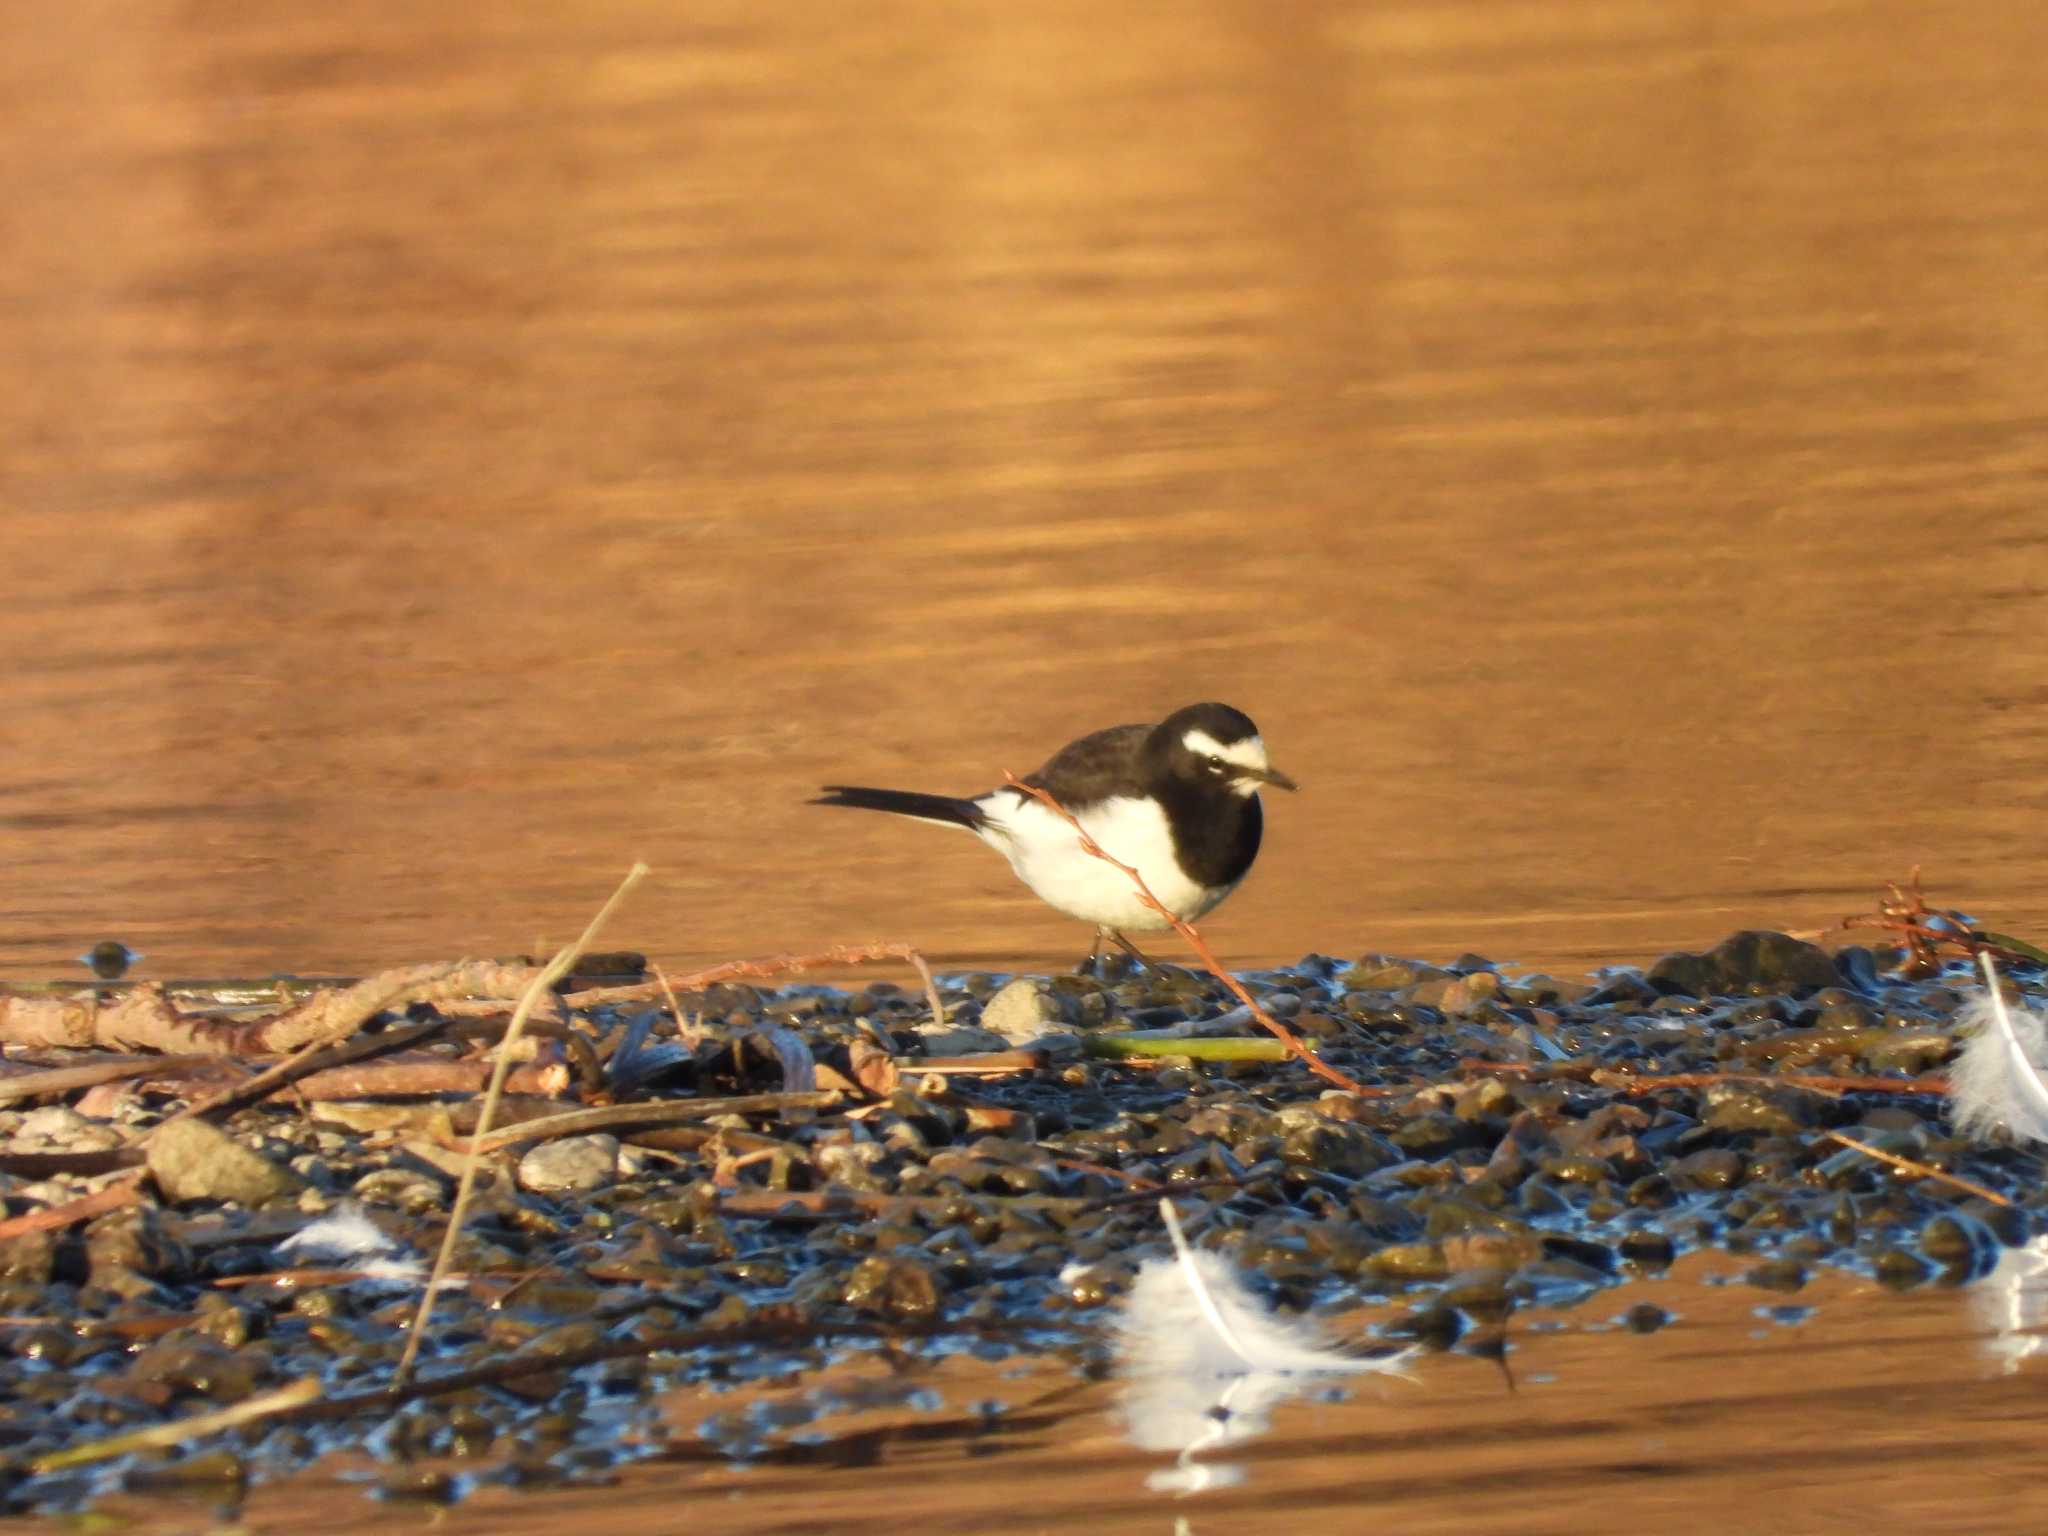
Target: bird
(1178, 801)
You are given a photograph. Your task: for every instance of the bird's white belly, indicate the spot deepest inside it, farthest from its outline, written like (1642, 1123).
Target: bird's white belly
(1049, 858)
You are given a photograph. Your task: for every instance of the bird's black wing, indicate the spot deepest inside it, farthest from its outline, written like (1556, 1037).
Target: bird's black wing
(1099, 765)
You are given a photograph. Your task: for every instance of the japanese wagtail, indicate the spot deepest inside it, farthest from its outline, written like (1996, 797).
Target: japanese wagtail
(1178, 801)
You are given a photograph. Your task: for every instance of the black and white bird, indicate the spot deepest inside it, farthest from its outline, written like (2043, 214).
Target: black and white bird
(1178, 801)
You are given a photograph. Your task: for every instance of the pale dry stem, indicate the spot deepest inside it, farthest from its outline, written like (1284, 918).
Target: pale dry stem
(552, 972)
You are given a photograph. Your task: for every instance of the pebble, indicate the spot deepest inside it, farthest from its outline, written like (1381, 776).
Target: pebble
(192, 1160)
(1025, 1009)
(60, 1129)
(962, 1040)
(570, 1165)
(1486, 1193)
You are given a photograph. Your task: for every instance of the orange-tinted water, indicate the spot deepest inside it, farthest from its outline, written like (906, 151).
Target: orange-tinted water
(443, 461)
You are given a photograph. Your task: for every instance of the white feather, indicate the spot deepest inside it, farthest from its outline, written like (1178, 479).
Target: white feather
(1996, 1084)
(344, 1233)
(1205, 1363)
(348, 1237)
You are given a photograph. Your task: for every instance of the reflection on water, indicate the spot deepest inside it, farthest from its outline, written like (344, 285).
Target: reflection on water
(1204, 1363)
(1603, 446)
(2011, 1303)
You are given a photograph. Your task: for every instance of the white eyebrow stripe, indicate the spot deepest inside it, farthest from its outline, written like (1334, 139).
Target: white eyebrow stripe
(1249, 753)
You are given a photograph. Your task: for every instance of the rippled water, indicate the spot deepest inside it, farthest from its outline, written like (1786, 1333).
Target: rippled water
(443, 462)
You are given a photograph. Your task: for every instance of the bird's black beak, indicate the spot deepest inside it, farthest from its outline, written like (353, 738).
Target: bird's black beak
(1273, 778)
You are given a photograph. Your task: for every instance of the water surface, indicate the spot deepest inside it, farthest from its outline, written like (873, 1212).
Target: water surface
(442, 462)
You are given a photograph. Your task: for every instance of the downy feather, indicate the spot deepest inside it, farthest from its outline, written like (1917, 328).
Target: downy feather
(348, 1237)
(1996, 1084)
(1205, 1363)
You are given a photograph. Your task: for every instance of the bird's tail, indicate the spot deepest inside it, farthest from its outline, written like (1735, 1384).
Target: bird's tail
(907, 802)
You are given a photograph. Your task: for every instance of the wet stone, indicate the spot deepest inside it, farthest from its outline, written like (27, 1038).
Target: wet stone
(1648, 1250)
(1776, 1275)
(130, 1251)
(1753, 962)
(898, 1288)
(1715, 1168)
(1645, 1317)
(570, 1165)
(1743, 1107)
(1432, 1134)
(54, 1127)
(28, 1259)
(192, 1160)
(1409, 1261)
(1898, 1269)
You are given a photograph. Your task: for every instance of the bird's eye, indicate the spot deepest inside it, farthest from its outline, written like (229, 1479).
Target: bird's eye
(1217, 765)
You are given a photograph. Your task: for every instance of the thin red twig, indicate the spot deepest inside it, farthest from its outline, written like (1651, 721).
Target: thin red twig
(1652, 1082)
(1187, 930)
(124, 1191)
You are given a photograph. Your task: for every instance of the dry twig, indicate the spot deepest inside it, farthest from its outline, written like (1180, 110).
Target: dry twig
(1637, 1083)
(1924, 1170)
(1930, 934)
(582, 1122)
(536, 989)
(124, 1191)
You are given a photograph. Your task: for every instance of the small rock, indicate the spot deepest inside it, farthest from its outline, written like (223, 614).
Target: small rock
(1776, 1275)
(28, 1259)
(402, 1189)
(1345, 1150)
(572, 1165)
(129, 1251)
(1745, 1107)
(1896, 1269)
(897, 1288)
(1025, 1009)
(1624, 988)
(1382, 973)
(191, 1160)
(1912, 1053)
(1648, 1250)
(962, 1040)
(1480, 1251)
(1711, 1169)
(1754, 962)
(65, 1130)
(1409, 1261)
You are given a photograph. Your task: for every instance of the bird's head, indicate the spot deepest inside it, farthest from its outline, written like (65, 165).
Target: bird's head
(1216, 745)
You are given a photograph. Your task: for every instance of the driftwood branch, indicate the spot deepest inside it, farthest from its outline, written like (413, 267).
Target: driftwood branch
(582, 1122)
(144, 1017)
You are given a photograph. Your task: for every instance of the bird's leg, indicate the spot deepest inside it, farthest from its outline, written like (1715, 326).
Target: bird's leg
(1131, 949)
(1091, 961)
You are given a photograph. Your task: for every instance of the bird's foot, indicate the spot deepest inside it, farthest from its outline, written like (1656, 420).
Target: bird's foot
(1112, 967)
